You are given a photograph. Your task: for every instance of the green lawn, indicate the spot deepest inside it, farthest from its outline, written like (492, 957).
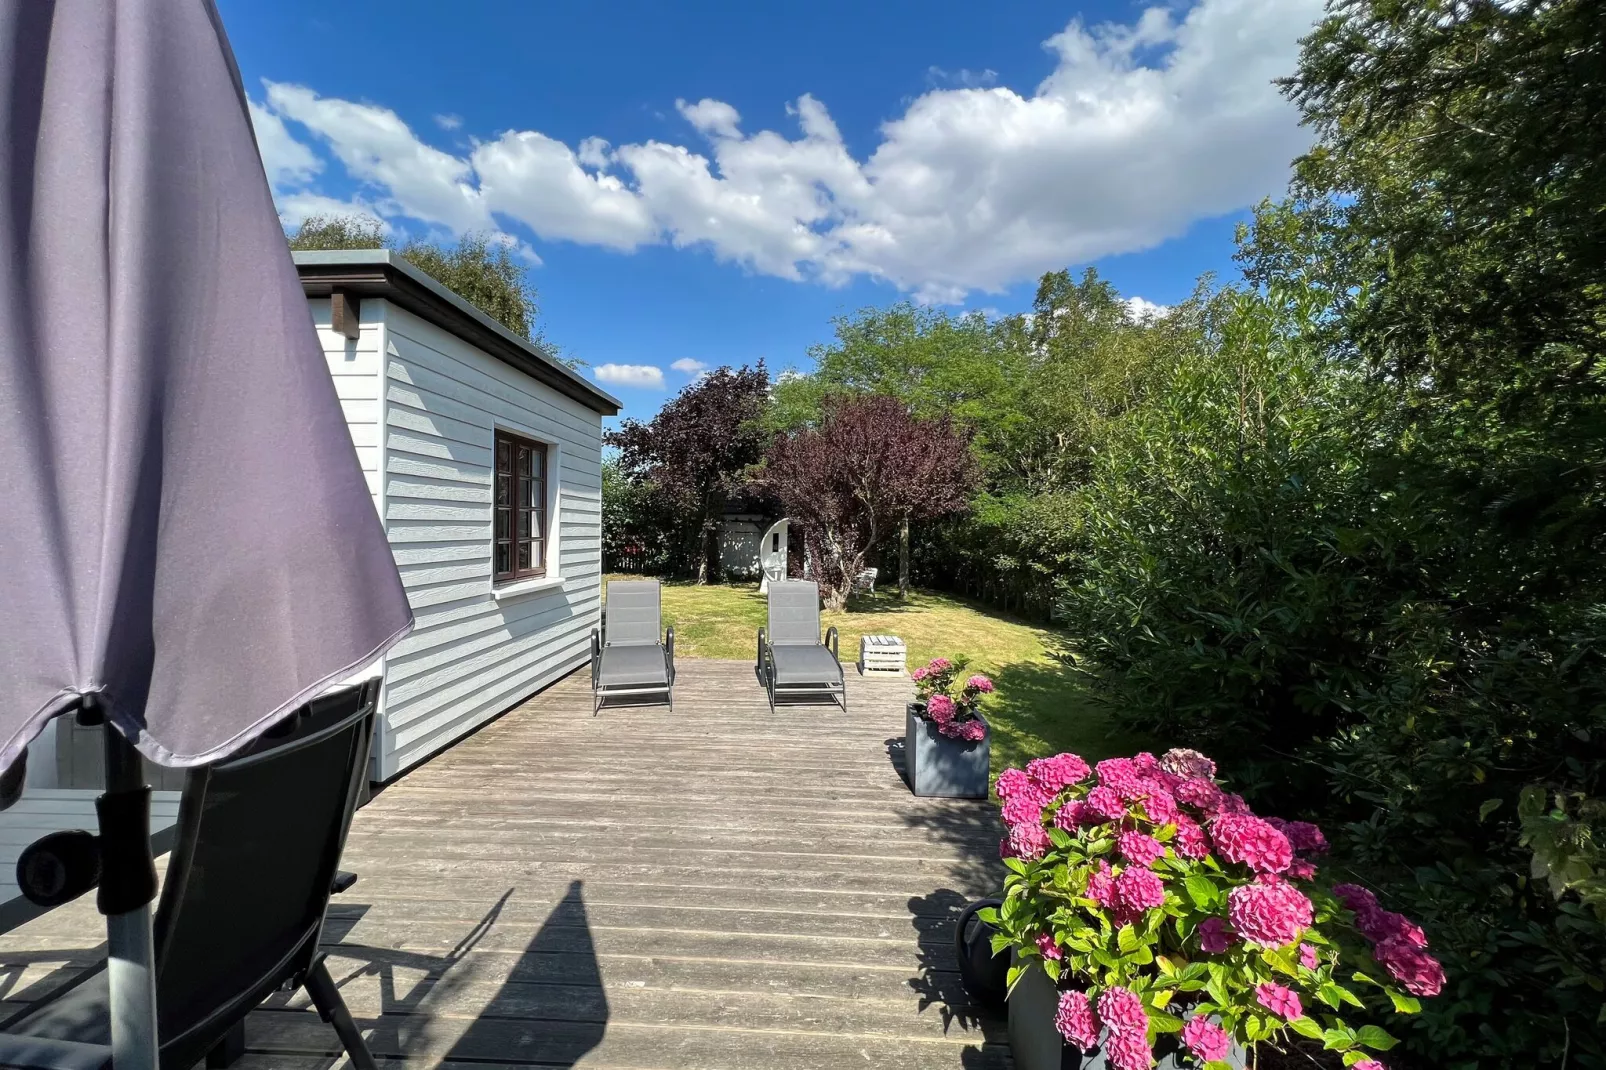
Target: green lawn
(1039, 707)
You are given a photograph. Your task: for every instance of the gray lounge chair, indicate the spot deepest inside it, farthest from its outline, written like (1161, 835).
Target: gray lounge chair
(791, 659)
(627, 657)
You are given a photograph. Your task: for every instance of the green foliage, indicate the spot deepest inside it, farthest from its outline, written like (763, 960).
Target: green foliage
(482, 271)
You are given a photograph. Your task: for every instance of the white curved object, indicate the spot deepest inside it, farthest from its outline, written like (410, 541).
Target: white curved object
(772, 554)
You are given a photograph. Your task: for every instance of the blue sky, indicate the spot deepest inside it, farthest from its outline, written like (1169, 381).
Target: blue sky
(711, 183)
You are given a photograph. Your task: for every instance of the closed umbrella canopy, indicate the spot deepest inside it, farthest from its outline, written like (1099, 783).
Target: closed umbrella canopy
(186, 530)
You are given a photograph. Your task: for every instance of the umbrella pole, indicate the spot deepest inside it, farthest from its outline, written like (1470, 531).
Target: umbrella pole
(127, 887)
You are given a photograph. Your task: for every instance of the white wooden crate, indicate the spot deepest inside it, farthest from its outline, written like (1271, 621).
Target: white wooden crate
(881, 655)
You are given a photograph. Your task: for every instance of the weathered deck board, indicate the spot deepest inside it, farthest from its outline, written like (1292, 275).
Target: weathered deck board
(714, 888)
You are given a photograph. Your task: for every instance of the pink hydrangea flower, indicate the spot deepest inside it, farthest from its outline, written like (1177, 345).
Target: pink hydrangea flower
(1028, 841)
(920, 673)
(1048, 948)
(1105, 804)
(1190, 841)
(980, 683)
(1015, 782)
(1305, 837)
(1355, 897)
(1076, 1021)
(1073, 815)
(973, 729)
(1136, 890)
(939, 664)
(1128, 1049)
(940, 708)
(1234, 804)
(1416, 970)
(1120, 1008)
(1377, 925)
(1200, 793)
(1189, 764)
(1145, 763)
(1301, 869)
(1368, 1064)
(1101, 885)
(1055, 774)
(1139, 848)
(1308, 957)
(1251, 842)
(1214, 936)
(1207, 1040)
(1021, 810)
(1121, 777)
(1281, 1001)
(1160, 807)
(1270, 912)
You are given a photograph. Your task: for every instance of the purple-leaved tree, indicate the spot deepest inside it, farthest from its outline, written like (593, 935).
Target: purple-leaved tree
(868, 467)
(693, 454)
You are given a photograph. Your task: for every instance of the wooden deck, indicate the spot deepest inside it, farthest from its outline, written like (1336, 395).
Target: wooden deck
(712, 888)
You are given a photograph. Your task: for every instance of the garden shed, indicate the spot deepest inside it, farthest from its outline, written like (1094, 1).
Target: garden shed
(483, 455)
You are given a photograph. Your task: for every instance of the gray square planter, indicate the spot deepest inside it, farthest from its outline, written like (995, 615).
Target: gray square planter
(940, 767)
(1037, 1045)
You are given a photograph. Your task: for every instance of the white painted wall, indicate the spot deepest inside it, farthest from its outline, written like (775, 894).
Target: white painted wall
(422, 406)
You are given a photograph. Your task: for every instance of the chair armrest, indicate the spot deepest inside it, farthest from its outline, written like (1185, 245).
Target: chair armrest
(759, 661)
(669, 650)
(596, 656)
(831, 639)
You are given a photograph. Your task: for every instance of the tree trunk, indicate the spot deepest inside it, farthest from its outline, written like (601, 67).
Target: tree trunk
(903, 558)
(708, 555)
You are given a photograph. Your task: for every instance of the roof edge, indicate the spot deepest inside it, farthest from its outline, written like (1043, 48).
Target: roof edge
(385, 274)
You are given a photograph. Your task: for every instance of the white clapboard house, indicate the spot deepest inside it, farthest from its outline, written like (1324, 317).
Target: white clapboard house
(483, 455)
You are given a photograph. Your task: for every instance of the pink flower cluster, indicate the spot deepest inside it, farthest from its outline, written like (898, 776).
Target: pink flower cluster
(1139, 848)
(1251, 841)
(1135, 891)
(1271, 912)
(980, 683)
(1280, 1001)
(1206, 1040)
(1187, 764)
(1398, 944)
(1054, 775)
(1076, 1021)
(1126, 1047)
(1214, 936)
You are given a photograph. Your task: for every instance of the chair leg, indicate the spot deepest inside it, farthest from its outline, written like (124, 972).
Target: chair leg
(228, 1050)
(332, 1009)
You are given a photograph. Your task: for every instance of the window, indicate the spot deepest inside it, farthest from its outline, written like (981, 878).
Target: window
(518, 544)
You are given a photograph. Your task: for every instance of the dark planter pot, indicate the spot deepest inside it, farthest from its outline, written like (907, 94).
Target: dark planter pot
(1037, 1045)
(939, 767)
(984, 974)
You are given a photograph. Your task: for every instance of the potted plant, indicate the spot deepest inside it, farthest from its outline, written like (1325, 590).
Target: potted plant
(1152, 916)
(945, 741)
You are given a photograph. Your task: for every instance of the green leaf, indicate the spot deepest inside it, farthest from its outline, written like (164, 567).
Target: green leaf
(1201, 890)
(988, 915)
(1306, 1027)
(1013, 975)
(1338, 1039)
(1165, 1023)
(1000, 941)
(1403, 1003)
(1489, 806)
(1375, 1037)
(1015, 865)
(1127, 940)
(1051, 968)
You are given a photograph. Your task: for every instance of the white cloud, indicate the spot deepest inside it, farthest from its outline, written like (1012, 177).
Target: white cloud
(646, 375)
(1141, 309)
(964, 76)
(689, 366)
(286, 160)
(1139, 130)
(448, 121)
(296, 207)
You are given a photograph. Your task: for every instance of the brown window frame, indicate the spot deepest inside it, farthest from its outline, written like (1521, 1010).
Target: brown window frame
(518, 507)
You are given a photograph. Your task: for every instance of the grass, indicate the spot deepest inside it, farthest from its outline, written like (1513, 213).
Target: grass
(1040, 706)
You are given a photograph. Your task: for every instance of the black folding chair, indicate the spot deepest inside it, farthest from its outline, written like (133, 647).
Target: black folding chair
(627, 657)
(258, 845)
(791, 659)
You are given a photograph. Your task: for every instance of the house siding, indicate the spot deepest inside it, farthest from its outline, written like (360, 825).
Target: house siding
(471, 656)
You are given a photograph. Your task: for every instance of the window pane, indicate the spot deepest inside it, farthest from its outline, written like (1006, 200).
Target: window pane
(524, 555)
(504, 455)
(524, 460)
(538, 552)
(532, 495)
(504, 490)
(502, 558)
(504, 524)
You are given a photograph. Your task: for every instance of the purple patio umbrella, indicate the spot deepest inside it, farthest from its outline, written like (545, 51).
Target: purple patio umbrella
(187, 542)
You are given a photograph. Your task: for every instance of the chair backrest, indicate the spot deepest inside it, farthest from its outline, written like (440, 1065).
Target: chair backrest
(794, 613)
(633, 613)
(258, 844)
